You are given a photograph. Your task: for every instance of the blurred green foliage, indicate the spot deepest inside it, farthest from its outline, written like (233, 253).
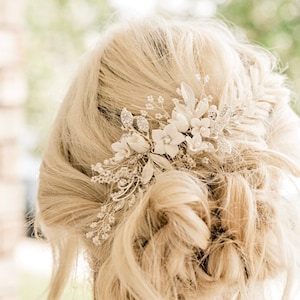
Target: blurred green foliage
(35, 287)
(58, 32)
(274, 24)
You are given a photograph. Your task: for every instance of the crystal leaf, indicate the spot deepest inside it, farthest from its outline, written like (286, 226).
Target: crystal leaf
(142, 124)
(119, 205)
(126, 117)
(225, 114)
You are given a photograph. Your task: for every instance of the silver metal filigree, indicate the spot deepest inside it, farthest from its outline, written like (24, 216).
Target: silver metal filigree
(194, 127)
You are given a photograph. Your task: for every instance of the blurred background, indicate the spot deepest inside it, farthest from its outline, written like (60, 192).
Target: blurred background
(41, 43)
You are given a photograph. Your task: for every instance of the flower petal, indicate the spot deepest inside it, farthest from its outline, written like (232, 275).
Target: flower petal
(172, 150)
(201, 108)
(119, 156)
(205, 122)
(188, 95)
(158, 135)
(180, 120)
(117, 146)
(137, 143)
(161, 161)
(188, 140)
(170, 129)
(187, 112)
(177, 138)
(147, 172)
(205, 132)
(195, 131)
(195, 122)
(160, 148)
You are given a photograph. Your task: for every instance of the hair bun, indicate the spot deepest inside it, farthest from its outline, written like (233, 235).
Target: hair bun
(178, 203)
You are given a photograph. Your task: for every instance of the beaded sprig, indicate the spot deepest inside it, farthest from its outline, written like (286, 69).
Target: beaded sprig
(156, 141)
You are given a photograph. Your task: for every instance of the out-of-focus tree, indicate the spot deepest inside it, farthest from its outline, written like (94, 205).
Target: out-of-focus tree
(58, 32)
(274, 24)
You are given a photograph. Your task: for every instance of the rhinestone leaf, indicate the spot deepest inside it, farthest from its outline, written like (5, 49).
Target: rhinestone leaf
(142, 124)
(126, 117)
(119, 205)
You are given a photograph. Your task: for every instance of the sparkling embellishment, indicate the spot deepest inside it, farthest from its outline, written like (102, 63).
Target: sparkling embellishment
(142, 124)
(126, 117)
(194, 128)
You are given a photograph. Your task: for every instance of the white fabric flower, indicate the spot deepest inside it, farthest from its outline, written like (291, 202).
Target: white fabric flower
(167, 140)
(201, 108)
(180, 121)
(190, 110)
(137, 143)
(200, 126)
(121, 148)
(195, 144)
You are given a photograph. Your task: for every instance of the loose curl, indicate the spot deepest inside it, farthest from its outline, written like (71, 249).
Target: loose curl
(219, 232)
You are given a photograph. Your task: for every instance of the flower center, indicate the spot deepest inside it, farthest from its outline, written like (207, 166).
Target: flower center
(167, 140)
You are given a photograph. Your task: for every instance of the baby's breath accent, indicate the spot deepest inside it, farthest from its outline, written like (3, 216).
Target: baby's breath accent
(172, 141)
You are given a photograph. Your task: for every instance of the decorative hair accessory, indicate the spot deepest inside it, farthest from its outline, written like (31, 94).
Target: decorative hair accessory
(155, 141)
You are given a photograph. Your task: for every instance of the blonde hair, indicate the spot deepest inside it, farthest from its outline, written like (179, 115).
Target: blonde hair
(217, 233)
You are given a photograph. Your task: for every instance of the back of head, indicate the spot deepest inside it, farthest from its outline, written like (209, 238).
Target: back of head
(193, 133)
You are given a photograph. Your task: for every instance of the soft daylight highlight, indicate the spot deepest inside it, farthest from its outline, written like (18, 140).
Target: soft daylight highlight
(217, 232)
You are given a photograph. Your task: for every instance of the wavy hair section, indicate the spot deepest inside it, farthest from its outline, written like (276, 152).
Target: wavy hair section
(220, 232)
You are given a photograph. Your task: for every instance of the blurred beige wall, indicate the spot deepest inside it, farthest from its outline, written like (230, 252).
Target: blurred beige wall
(12, 97)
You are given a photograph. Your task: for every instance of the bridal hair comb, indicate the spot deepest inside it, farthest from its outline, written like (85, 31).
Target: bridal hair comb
(156, 141)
